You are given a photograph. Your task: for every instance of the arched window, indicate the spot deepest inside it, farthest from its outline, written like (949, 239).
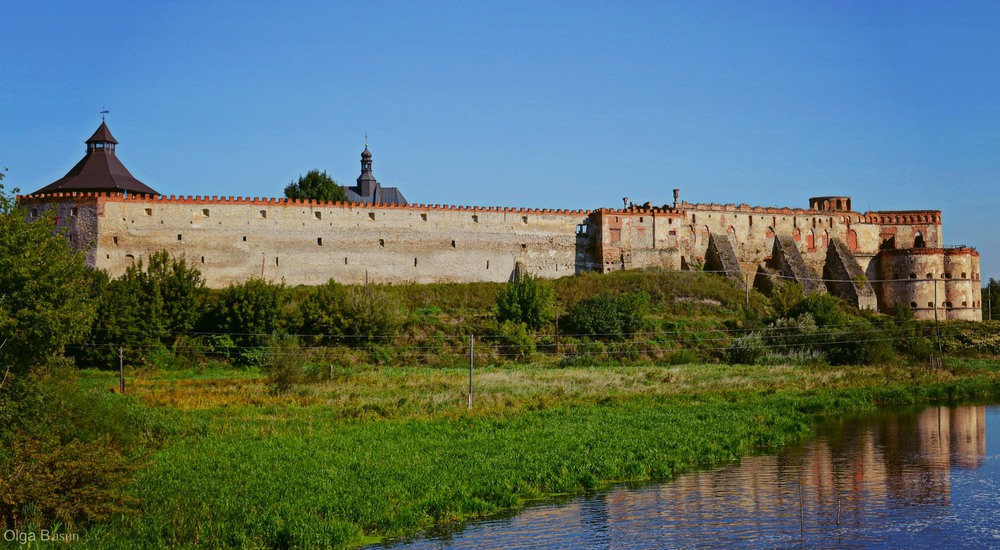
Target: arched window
(918, 241)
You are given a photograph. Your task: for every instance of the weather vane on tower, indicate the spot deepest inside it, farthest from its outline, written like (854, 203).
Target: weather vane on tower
(104, 111)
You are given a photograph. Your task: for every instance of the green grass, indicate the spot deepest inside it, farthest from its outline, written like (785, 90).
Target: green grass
(381, 451)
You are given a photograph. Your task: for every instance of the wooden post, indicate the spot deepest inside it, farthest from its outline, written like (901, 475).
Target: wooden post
(121, 370)
(472, 346)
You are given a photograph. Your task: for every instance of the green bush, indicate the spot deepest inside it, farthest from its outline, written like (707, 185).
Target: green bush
(610, 317)
(356, 316)
(250, 312)
(283, 364)
(825, 309)
(748, 349)
(514, 340)
(526, 300)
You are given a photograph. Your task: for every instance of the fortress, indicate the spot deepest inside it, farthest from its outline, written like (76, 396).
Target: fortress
(876, 260)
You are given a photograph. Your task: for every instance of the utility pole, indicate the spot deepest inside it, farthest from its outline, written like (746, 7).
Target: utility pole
(748, 290)
(937, 327)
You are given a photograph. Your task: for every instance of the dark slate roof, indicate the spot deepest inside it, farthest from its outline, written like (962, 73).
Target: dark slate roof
(368, 190)
(99, 170)
(382, 195)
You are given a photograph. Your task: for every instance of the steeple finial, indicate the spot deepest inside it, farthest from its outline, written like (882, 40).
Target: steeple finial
(366, 140)
(104, 111)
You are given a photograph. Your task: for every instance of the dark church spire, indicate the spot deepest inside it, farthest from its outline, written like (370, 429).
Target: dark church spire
(367, 184)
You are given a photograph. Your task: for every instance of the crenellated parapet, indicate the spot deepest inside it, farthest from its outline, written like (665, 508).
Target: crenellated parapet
(273, 201)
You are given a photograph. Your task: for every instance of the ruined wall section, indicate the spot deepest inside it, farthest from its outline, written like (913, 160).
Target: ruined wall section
(636, 238)
(811, 230)
(303, 242)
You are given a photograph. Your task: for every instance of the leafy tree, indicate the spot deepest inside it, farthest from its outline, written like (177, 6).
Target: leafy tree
(784, 297)
(991, 299)
(180, 287)
(46, 292)
(251, 311)
(526, 300)
(144, 310)
(316, 185)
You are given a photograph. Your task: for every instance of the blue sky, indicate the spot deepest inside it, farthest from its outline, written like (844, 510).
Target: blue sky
(534, 104)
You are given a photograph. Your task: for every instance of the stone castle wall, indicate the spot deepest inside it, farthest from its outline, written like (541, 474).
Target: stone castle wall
(301, 242)
(304, 242)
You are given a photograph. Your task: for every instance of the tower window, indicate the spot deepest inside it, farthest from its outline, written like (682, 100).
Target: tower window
(319, 215)
(371, 215)
(453, 244)
(524, 219)
(244, 238)
(34, 212)
(74, 211)
(414, 262)
(115, 239)
(319, 241)
(205, 212)
(381, 242)
(275, 261)
(423, 217)
(475, 218)
(149, 211)
(262, 213)
(202, 259)
(180, 237)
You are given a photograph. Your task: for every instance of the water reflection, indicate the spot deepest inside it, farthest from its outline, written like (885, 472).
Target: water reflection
(909, 479)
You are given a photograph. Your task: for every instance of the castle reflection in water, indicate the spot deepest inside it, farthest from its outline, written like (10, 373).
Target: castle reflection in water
(848, 475)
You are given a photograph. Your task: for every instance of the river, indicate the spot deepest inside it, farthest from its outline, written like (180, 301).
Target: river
(918, 478)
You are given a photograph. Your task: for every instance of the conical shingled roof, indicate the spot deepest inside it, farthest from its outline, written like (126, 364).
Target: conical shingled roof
(99, 170)
(102, 135)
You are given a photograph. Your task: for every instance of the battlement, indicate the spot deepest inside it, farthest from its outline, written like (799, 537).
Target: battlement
(959, 250)
(903, 217)
(274, 201)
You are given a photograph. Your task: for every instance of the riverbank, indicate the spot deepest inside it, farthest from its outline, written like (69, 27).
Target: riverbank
(386, 452)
